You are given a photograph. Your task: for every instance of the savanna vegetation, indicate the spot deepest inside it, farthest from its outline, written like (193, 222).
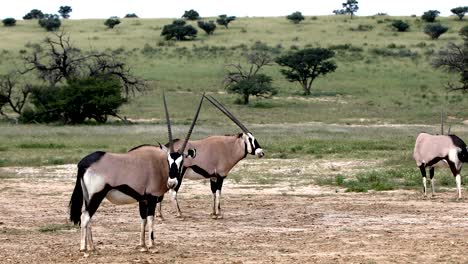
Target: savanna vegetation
(382, 76)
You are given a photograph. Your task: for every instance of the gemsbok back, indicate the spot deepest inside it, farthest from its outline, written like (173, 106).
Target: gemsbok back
(216, 156)
(430, 149)
(143, 174)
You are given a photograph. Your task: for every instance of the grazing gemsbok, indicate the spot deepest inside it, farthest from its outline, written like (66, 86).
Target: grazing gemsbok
(143, 174)
(216, 156)
(430, 149)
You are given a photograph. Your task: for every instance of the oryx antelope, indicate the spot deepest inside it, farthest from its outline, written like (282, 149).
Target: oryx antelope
(216, 156)
(430, 149)
(143, 175)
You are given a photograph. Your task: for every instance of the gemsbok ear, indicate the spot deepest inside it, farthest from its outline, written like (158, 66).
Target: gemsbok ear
(191, 153)
(163, 148)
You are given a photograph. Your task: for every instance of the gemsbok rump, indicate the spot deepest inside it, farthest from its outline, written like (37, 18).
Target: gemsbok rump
(216, 156)
(430, 149)
(143, 174)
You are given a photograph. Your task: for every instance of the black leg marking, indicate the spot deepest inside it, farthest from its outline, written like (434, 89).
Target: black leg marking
(96, 200)
(422, 168)
(219, 182)
(152, 236)
(214, 186)
(453, 168)
(152, 201)
(143, 209)
(431, 172)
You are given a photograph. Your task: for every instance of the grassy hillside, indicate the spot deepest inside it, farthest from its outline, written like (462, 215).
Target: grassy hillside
(382, 75)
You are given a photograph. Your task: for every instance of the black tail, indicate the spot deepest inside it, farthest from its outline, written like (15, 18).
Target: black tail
(76, 201)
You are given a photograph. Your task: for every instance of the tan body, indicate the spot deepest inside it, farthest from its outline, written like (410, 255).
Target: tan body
(141, 175)
(429, 150)
(214, 159)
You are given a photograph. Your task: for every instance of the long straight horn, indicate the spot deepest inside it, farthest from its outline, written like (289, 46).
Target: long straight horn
(192, 125)
(168, 122)
(227, 113)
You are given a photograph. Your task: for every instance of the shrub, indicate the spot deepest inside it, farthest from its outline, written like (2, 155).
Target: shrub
(400, 25)
(131, 15)
(460, 11)
(191, 15)
(430, 16)
(65, 11)
(224, 20)
(111, 22)
(435, 30)
(179, 30)
(89, 98)
(50, 22)
(9, 22)
(257, 85)
(295, 17)
(208, 27)
(34, 14)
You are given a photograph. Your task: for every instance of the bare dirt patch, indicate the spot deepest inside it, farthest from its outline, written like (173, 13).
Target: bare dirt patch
(262, 224)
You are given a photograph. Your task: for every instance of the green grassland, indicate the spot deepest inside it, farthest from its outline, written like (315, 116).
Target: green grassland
(383, 76)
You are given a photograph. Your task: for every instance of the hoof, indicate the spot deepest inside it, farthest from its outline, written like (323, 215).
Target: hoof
(86, 255)
(221, 216)
(213, 216)
(143, 249)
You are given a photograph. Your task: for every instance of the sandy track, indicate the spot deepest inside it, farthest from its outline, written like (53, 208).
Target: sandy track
(262, 225)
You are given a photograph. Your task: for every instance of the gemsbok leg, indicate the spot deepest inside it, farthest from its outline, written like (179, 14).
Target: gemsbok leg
(143, 214)
(216, 186)
(86, 215)
(456, 174)
(423, 173)
(431, 176)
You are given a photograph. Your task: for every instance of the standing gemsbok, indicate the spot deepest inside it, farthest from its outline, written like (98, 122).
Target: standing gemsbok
(143, 175)
(216, 156)
(430, 149)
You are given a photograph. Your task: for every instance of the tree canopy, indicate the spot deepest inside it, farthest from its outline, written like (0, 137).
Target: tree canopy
(305, 65)
(65, 11)
(179, 30)
(295, 17)
(224, 20)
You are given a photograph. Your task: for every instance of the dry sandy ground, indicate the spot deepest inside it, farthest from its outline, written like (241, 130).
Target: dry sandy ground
(275, 224)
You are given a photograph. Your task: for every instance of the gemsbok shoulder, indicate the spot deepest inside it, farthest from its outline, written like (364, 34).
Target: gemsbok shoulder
(215, 157)
(143, 174)
(430, 149)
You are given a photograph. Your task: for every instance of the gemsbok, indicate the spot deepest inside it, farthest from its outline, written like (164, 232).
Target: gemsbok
(143, 174)
(430, 149)
(215, 157)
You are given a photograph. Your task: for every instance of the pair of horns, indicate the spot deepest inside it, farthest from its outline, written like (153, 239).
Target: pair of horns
(226, 112)
(169, 131)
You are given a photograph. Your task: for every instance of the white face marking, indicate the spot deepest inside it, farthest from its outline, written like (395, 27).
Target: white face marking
(259, 152)
(178, 161)
(172, 183)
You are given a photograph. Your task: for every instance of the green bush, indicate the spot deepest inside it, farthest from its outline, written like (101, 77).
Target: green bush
(400, 25)
(435, 30)
(224, 20)
(257, 85)
(460, 11)
(9, 22)
(191, 15)
(81, 99)
(430, 16)
(50, 22)
(179, 30)
(111, 22)
(34, 14)
(295, 17)
(208, 27)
